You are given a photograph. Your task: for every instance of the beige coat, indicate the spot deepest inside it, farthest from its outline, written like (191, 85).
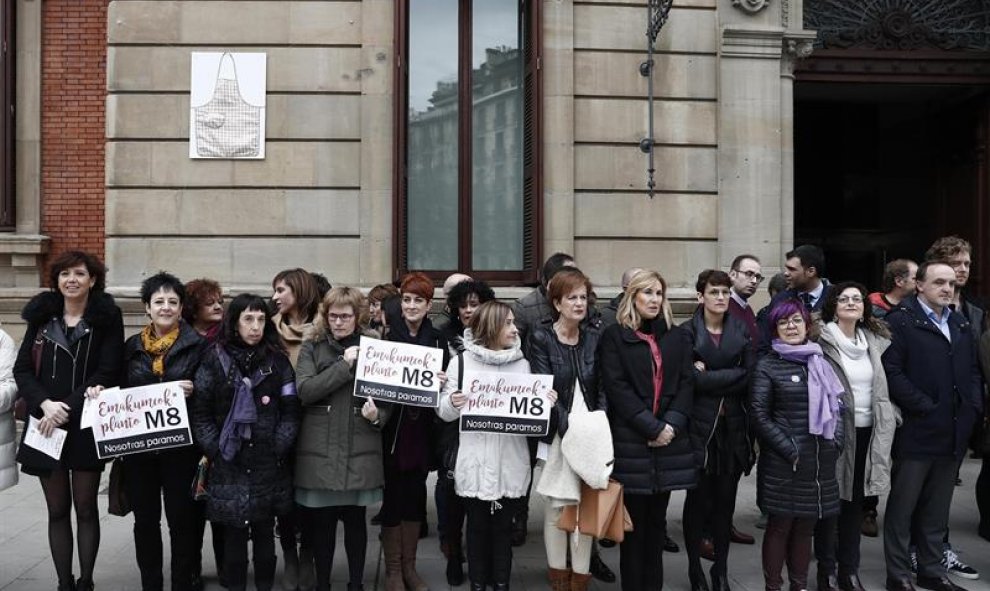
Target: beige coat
(886, 418)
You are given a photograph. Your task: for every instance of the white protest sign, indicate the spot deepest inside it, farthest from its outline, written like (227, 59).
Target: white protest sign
(398, 372)
(140, 419)
(50, 446)
(507, 403)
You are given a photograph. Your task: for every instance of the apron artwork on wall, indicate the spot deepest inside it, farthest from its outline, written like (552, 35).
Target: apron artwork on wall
(227, 105)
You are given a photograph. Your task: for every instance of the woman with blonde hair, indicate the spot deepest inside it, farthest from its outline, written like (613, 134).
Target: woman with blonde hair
(647, 376)
(339, 451)
(492, 470)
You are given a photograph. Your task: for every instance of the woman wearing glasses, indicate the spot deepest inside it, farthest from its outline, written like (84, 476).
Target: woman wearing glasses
(339, 452)
(854, 340)
(795, 403)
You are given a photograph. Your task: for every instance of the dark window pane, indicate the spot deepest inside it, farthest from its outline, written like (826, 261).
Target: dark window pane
(496, 96)
(432, 141)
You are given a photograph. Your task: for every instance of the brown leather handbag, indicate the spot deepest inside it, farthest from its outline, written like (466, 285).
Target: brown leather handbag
(600, 513)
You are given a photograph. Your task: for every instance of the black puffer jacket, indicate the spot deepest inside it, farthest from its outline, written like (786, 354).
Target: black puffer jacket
(547, 355)
(257, 483)
(92, 355)
(181, 361)
(779, 403)
(626, 368)
(723, 386)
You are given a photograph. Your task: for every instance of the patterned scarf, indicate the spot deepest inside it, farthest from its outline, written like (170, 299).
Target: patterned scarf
(158, 347)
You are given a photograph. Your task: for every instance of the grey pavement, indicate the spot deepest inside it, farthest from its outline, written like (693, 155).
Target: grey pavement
(25, 563)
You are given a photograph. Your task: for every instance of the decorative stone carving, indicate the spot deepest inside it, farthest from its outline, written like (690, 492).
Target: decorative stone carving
(750, 6)
(799, 48)
(900, 24)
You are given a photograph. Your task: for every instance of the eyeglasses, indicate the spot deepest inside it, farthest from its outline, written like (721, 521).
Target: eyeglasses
(340, 317)
(751, 275)
(792, 321)
(850, 299)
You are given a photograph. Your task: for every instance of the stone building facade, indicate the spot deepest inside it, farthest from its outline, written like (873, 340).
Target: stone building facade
(327, 196)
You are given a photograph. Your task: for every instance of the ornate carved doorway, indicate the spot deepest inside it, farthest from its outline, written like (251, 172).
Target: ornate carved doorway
(892, 119)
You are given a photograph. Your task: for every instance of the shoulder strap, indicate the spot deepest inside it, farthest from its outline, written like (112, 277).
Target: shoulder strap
(224, 359)
(36, 348)
(460, 371)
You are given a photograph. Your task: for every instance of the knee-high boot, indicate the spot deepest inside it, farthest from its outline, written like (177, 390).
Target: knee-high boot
(392, 546)
(410, 542)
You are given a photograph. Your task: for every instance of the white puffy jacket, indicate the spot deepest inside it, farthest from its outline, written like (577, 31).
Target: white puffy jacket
(489, 466)
(8, 394)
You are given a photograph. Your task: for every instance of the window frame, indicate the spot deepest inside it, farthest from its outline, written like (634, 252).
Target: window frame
(8, 197)
(532, 159)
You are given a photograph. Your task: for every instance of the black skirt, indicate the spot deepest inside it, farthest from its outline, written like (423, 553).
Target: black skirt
(728, 454)
(78, 453)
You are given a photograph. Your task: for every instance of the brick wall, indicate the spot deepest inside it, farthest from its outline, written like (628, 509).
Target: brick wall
(73, 124)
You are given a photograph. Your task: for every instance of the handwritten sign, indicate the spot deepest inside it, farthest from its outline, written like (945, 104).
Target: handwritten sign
(398, 372)
(507, 403)
(134, 420)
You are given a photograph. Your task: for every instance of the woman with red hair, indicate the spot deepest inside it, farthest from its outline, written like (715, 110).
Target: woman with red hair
(407, 442)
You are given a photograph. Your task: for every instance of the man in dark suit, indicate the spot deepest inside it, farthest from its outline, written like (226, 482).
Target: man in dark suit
(804, 269)
(746, 277)
(933, 377)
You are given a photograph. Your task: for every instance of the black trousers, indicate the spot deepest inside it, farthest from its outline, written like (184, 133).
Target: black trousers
(404, 497)
(148, 479)
(262, 537)
(983, 497)
(453, 509)
(641, 553)
(920, 496)
(837, 538)
(489, 538)
(323, 522)
(708, 509)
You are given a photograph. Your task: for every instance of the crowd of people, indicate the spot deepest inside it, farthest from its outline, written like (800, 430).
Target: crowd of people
(837, 396)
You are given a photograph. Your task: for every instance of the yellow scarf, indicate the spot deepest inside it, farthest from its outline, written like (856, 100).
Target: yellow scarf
(158, 347)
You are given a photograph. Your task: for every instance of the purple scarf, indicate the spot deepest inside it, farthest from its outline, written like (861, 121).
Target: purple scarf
(243, 414)
(824, 387)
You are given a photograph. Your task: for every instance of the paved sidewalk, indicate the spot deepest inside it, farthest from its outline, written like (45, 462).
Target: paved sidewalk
(25, 564)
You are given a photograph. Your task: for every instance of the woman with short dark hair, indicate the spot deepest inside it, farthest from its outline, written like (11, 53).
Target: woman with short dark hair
(723, 363)
(166, 350)
(245, 416)
(74, 340)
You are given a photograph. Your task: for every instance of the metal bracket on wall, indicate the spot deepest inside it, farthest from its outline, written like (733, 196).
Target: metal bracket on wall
(657, 13)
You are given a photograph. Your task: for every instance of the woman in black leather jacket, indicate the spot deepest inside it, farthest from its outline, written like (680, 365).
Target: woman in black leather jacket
(166, 350)
(723, 362)
(795, 400)
(566, 349)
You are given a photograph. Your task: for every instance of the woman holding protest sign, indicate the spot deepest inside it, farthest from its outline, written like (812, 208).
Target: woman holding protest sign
(462, 300)
(408, 456)
(166, 350)
(74, 340)
(566, 349)
(245, 416)
(339, 452)
(492, 469)
(647, 375)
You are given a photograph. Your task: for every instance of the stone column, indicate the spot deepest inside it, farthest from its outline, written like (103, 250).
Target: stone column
(558, 126)
(756, 114)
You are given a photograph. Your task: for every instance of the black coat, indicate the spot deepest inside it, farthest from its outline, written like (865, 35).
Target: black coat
(779, 403)
(547, 355)
(257, 483)
(181, 361)
(411, 434)
(935, 383)
(626, 368)
(723, 386)
(92, 356)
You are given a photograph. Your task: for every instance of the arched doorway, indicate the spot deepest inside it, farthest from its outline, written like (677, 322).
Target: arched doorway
(891, 124)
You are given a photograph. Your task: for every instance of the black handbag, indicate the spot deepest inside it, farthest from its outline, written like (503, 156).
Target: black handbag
(118, 504)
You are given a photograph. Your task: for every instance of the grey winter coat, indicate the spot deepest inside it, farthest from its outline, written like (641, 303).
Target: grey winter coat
(8, 394)
(886, 418)
(338, 449)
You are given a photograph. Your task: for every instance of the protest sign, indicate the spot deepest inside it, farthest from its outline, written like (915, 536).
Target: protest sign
(398, 372)
(507, 403)
(139, 419)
